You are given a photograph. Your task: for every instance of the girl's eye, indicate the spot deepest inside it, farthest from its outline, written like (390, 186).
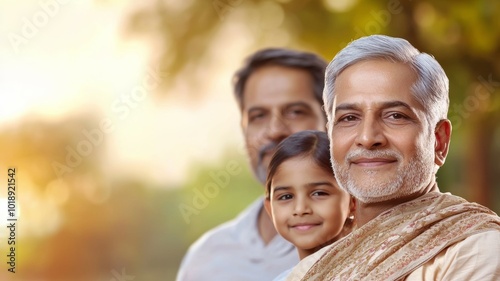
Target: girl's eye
(285, 197)
(319, 193)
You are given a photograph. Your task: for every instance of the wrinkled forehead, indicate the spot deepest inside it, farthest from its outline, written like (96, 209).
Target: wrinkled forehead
(376, 81)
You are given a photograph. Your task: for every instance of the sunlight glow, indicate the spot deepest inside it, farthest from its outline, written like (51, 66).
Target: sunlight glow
(339, 5)
(92, 68)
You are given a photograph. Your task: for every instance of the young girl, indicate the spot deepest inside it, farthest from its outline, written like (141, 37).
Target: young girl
(307, 206)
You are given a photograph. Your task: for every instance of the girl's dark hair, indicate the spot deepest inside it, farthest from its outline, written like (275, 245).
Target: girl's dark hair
(314, 144)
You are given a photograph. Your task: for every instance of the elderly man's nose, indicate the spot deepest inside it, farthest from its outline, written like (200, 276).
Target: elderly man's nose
(370, 134)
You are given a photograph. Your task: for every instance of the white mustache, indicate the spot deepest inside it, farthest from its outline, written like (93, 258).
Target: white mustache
(362, 153)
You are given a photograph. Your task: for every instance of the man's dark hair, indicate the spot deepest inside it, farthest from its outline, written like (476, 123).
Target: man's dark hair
(306, 61)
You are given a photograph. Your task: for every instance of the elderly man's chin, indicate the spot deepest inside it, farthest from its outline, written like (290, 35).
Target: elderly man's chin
(372, 191)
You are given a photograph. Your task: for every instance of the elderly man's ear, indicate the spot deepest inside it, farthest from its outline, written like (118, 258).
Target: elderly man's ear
(443, 135)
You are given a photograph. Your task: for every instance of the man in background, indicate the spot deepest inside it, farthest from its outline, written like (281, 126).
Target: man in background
(279, 92)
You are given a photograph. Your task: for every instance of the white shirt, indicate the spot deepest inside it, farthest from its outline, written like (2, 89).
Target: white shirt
(283, 275)
(234, 251)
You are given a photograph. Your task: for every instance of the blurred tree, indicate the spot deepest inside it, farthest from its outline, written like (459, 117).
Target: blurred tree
(137, 229)
(464, 38)
(137, 226)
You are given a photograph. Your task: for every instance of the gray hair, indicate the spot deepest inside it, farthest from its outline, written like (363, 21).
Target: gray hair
(430, 89)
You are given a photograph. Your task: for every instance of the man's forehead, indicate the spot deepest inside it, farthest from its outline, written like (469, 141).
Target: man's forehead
(380, 101)
(376, 82)
(278, 86)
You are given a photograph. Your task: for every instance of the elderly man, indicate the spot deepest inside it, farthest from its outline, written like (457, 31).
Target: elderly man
(387, 107)
(279, 93)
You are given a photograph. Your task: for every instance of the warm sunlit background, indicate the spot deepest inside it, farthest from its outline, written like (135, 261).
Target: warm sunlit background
(120, 121)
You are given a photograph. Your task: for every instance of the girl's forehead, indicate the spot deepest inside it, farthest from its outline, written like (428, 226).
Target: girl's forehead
(299, 170)
(297, 162)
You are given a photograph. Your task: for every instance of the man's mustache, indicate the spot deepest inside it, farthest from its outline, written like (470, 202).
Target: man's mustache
(266, 149)
(372, 154)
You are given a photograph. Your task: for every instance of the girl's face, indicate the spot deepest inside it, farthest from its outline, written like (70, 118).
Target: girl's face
(307, 206)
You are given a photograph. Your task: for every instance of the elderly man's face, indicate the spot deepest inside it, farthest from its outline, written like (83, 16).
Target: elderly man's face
(381, 145)
(277, 102)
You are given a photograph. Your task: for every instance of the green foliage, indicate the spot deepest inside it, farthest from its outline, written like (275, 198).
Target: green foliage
(139, 228)
(464, 38)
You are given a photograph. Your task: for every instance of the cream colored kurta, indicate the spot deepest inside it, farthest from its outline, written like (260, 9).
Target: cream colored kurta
(435, 237)
(475, 258)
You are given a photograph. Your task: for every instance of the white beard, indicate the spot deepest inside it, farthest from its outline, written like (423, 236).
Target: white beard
(408, 180)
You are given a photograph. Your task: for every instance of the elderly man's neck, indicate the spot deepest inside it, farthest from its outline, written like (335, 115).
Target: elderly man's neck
(365, 212)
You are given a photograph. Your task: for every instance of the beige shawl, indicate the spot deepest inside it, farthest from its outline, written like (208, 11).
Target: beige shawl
(401, 239)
